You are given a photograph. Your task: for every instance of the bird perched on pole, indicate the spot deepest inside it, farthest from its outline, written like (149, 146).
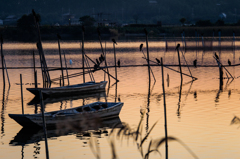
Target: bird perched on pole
(178, 45)
(102, 57)
(118, 63)
(114, 41)
(141, 47)
(195, 63)
(229, 62)
(158, 61)
(98, 63)
(216, 56)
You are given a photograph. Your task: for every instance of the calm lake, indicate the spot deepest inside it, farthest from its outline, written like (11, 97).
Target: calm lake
(199, 114)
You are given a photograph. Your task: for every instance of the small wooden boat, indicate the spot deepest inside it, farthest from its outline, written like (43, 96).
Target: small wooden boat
(83, 88)
(50, 100)
(97, 110)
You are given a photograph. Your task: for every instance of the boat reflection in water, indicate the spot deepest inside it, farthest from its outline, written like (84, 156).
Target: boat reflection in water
(80, 128)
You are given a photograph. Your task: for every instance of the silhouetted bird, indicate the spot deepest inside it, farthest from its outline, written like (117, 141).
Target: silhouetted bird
(216, 56)
(103, 58)
(178, 45)
(118, 63)
(119, 100)
(158, 61)
(114, 41)
(141, 47)
(195, 94)
(229, 62)
(95, 67)
(97, 62)
(195, 63)
(100, 59)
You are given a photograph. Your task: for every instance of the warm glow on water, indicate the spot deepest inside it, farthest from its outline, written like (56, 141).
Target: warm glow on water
(200, 116)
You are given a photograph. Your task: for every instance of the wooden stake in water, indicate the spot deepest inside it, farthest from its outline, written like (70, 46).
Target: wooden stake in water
(21, 93)
(145, 30)
(2, 57)
(179, 61)
(233, 44)
(83, 30)
(66, 67)
(6, 72)
(44, 124)
(165, 111)
(35, 79)
(60, 55)
(115, 60)
(34, 67)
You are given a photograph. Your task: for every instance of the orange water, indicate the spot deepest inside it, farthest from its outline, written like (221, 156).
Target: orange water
(201, 121)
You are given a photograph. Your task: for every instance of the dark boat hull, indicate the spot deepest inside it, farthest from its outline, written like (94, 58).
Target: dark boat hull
(69, 115)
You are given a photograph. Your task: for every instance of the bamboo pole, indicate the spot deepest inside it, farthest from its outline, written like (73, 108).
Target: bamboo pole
(145, 30)
(83, 30)
(66, 67)
(165, 111)
(44, 124)
(35, 79)
(2, 57)
(7, 72)
(21, 93)
(115, 60)
(179, 60)
(60, 55)
(34, 67)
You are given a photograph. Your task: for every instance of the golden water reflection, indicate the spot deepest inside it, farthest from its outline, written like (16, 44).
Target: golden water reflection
(200, 115)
